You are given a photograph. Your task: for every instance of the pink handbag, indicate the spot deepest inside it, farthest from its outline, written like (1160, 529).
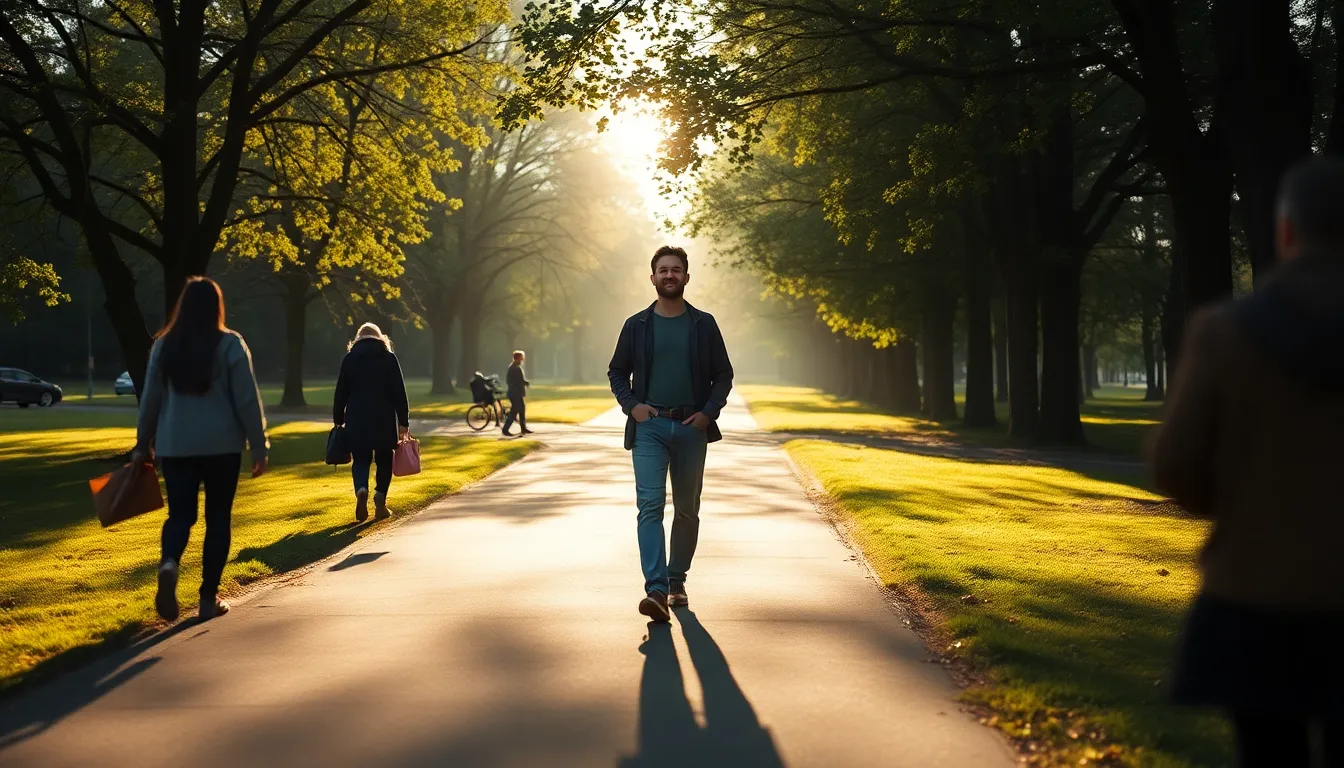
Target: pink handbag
(406, 459)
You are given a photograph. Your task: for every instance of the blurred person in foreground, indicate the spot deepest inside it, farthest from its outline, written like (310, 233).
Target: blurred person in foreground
(200, 406)
(518, 384)
(671, 374)
(1253, 440)
(371, 404)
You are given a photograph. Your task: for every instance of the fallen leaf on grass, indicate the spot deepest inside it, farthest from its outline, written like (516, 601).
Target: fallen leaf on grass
(1163, 572)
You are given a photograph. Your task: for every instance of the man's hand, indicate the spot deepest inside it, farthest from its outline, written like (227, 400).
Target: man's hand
(698, 420)
(403, 433)
(643, 413)
(259, 467)
(140, 456)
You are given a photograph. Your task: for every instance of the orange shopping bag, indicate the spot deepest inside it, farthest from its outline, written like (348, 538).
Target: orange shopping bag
(125, 493)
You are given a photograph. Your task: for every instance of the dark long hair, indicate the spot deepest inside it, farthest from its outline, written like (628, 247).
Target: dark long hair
(192, 335)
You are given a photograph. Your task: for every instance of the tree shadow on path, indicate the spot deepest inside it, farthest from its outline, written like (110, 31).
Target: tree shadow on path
(668, 732)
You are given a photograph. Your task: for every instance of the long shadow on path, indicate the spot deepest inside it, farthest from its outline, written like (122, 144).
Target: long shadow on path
(33, 712)
(668, 732)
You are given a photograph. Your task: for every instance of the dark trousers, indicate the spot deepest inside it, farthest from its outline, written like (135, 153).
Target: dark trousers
(183, 476)
(1286, 742)
(359, 468)
(517, 410)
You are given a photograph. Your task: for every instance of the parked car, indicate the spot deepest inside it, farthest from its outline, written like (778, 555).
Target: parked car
(124, 385)
(24, 388)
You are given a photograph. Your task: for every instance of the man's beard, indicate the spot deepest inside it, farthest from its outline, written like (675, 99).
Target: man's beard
(673, 292)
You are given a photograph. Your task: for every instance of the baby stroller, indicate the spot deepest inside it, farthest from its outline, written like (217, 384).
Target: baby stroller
(487, 408)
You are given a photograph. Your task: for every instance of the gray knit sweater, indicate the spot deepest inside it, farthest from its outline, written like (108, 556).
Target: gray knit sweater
(220, 421)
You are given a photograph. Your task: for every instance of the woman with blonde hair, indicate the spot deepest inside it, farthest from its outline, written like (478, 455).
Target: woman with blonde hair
(371, 404)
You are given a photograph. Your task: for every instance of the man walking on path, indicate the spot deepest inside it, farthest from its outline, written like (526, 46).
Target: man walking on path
(1251, 441)
(518, 384)
(671, 374)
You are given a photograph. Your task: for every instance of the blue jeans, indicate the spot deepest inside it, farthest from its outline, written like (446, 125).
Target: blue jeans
(662, 445)
(359, 469)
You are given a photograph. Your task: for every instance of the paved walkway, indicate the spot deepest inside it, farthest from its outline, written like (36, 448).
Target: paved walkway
(498, 628)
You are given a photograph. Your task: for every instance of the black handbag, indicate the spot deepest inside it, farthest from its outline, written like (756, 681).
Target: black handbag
(337, 450)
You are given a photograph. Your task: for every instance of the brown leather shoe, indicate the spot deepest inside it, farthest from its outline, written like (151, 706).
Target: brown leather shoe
(677, 598)
(655, 607)
(380, 507)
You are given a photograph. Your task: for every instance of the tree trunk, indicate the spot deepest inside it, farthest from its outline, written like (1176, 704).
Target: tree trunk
(179, 156)
(123, 311)
(1022, 342)
(1192, 160)
(905, 376)
(1000, 352)
(939, 314)
(1264, 96)
(872, 359)
(440, 314)
(979, 410)
(1161, 376)
(578, 354)
(1202, 252)
(469, 362)
(1149, 359)
(1090, 381)
(296, 331)
(855, 370)
(820, 365)
(1061, 298)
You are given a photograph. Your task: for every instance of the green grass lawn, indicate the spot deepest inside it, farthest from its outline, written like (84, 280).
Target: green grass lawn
(1067, 591)
(1115, 421)
(69, 587)
(546, 402)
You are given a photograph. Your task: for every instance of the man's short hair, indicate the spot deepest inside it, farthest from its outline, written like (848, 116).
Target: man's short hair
(518, 354)
(670, 250)
(1312, 198)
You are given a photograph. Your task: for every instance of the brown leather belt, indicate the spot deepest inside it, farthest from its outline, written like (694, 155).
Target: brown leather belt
(679, 414)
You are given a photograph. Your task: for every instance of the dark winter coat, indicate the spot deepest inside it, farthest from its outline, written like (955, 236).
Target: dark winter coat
(518, 382)
(1251, 439)
(370, 397)
(711, 370)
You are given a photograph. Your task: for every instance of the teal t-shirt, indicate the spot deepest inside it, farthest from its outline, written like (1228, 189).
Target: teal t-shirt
(670, 377)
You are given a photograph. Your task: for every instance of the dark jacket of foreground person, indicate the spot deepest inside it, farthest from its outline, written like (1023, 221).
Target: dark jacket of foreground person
(1253, 439)
(711, 370)
(371, 397)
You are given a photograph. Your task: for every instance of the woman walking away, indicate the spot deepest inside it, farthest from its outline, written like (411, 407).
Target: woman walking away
(200, 405)
(371, 404)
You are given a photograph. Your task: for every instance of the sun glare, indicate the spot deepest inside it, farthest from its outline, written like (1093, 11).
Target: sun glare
(634, 138)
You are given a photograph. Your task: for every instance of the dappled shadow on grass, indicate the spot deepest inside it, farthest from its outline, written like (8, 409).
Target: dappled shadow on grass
(1115, 427)
(1070, 592)
(1082, 647)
